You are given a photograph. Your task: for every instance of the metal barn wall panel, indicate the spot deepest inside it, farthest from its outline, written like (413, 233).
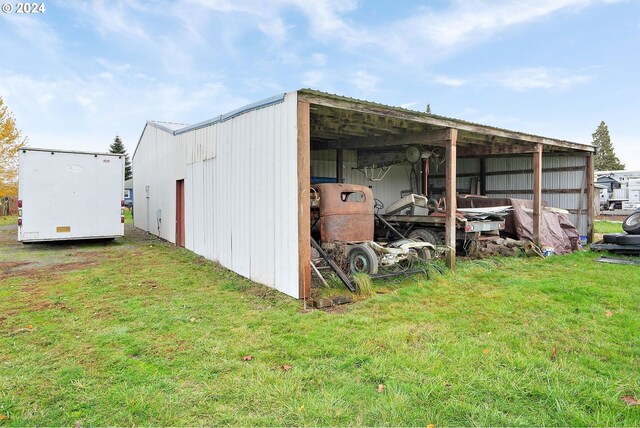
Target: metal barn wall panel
(155, 209)
(241, 191)
(508, 184)
(243, 195)
(388, 190)
(141, 162)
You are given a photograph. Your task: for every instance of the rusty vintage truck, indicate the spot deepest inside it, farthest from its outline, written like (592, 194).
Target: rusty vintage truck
(343, 221)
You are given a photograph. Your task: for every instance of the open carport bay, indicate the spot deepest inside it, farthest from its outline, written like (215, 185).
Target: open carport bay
(140, 332)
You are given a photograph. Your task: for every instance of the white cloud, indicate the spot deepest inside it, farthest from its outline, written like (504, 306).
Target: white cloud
(113, 67)
(319, 59)
(117, 18)
(97, 109)
(33, 30)
(449, 81)
(313, 78)
(275, 29)
(470, 20)
(364, 81)
(524, 79)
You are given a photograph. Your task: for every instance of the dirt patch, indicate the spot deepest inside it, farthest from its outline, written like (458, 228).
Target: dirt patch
(7, 267)
(38, 261)
(45, 305)
(37, 271)
(336, 310)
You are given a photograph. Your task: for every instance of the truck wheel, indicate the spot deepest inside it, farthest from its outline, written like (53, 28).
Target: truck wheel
(362, 259)
(424, 235)
(471, 248)
(631, 224)
(425, 254)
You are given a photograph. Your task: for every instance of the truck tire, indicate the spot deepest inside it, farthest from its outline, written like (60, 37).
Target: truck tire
(424, 235)
(362, 259)
(631, 224)
(628, 240)
(611, 238)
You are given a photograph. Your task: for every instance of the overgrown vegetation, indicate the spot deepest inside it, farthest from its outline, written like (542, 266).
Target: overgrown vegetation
(8, 219)
(140, 332)
(605, 226)
(11, 140)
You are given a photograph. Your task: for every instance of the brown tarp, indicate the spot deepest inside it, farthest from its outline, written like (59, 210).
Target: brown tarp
(556, 230)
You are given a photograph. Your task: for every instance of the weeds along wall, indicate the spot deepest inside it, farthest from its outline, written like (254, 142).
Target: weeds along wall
(241, 190)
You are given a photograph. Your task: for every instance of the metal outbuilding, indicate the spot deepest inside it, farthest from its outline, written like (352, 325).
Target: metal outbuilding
(235, 189)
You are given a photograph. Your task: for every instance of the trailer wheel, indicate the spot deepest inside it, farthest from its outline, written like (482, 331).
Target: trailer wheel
(424, 235)
(362, 259)
(631, 224)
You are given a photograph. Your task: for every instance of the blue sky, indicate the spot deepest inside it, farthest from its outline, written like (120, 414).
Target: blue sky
(83, 72)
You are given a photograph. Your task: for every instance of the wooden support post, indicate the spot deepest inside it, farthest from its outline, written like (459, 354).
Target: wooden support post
(304, 203)
(450, 185)
(339, 165)
(537, 193)
(483, 176)
(425, 176)
(590, 195)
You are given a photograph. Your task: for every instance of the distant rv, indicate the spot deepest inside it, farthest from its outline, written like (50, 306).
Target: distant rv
(620, 189)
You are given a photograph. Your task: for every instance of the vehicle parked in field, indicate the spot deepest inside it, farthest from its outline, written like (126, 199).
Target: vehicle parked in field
(65, 195)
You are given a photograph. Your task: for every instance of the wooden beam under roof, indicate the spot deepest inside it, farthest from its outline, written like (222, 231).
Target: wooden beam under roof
(437, 137)
(496, 149)
(376, 109)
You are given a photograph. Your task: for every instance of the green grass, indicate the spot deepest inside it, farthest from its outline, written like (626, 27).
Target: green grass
(604, 226)
(153, 335)
(9, 219)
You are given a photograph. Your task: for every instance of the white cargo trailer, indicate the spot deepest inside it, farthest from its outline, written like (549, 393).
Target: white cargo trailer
(67, 195)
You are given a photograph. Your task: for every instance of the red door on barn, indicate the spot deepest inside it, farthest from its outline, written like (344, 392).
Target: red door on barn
(180, 213)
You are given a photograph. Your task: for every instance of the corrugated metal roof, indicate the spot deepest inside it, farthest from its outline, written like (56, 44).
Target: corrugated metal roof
(313, 92)
(168, 126)
(180, 128)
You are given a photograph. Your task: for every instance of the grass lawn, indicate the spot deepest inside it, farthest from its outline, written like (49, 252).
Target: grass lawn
(140, 332)
(9, 219)
(605, 226)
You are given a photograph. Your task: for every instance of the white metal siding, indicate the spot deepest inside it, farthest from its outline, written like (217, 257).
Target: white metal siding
(388, 190)
(241, 191)
(157, 164)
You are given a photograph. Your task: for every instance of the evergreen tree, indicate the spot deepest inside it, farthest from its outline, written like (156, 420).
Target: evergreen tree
(118, 147)
(428, 109)
(605, 158)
